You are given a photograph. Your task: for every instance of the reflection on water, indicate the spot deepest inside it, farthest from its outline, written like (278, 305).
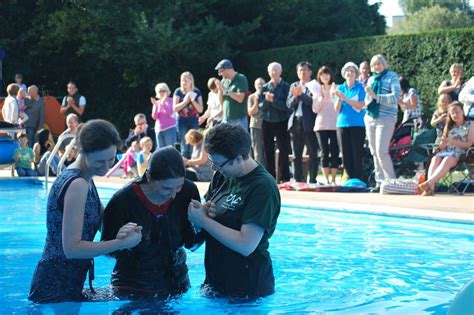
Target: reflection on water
(324, 261)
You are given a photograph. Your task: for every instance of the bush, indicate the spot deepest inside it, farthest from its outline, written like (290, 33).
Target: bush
(424, 59)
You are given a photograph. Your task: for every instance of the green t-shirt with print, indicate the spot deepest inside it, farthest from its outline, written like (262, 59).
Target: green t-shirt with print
(25, 155)
(252, 198)
(233, 109)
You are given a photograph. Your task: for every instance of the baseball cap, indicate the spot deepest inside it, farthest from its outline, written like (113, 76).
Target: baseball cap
(224, 64)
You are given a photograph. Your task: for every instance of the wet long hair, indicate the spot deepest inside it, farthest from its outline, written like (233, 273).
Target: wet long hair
(450, 122)
(165, 163)
(96, 135)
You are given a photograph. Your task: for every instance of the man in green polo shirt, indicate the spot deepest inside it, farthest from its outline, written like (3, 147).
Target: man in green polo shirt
(232, 92)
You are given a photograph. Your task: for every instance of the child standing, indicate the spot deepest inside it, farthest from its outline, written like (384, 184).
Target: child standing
(213, 114)
(129, 164)
(24, 156)
(142, 160)
(20, 99)
(256, 119)
(440, 115)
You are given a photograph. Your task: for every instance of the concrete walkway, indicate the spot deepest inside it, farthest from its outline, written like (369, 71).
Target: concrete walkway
(442, 206)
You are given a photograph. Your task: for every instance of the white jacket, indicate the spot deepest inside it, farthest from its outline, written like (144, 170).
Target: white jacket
(10, 110)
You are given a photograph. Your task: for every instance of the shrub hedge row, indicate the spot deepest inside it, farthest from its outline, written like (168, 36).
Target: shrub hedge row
(424, 59)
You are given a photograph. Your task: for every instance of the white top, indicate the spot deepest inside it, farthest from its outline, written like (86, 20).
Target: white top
(10, 110)
(466, 96)
(214, 105)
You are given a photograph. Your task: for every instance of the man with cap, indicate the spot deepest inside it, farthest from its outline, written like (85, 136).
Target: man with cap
(232, 92)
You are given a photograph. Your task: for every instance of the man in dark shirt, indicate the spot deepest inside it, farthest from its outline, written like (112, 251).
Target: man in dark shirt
(73, 103)
(301, 124)
(272, 103)
(141, 130)
(35, 110)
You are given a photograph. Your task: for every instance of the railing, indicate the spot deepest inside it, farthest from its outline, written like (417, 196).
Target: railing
(55, 150)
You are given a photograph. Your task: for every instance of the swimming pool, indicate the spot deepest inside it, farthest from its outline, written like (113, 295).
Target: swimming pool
(324, 261)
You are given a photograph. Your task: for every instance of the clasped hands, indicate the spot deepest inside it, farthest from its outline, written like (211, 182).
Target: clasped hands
(296, 90)
(198, 213)
(130, 234)
(269, 96)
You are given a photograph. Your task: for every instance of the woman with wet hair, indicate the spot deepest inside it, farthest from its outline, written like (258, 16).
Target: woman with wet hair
(239, 216)
(74, 215)
(158, 201)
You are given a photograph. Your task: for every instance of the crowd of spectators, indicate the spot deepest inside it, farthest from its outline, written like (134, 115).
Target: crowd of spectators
(313, 123)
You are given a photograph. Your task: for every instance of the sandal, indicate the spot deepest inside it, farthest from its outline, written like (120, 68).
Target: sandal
(427, 191)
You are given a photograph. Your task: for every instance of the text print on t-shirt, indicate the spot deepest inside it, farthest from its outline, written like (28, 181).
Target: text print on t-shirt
(231, 202)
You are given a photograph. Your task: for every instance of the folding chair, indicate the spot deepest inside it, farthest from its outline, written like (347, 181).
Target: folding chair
(464, 169)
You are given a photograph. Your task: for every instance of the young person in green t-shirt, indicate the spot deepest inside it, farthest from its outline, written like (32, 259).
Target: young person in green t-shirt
(239, 216)
(24, 156)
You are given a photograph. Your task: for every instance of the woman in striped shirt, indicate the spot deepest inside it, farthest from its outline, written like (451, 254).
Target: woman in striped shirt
(382, 94)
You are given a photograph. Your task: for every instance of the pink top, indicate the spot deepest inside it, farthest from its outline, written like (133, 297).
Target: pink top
(163, 114)
(327, 115)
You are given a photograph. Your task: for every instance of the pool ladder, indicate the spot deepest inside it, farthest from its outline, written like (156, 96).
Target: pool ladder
(55, 150)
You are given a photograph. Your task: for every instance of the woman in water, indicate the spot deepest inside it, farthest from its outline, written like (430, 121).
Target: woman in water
(158, 201)
(239, 216)
(74, 214)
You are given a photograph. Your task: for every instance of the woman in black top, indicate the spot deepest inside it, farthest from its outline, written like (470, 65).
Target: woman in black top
(158, 202)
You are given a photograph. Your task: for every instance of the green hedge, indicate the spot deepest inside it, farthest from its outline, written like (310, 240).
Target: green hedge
(424, 59)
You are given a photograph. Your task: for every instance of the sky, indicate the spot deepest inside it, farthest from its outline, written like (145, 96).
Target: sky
(391, 8)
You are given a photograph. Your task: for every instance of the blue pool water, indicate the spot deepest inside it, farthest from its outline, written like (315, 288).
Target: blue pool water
(324, 261)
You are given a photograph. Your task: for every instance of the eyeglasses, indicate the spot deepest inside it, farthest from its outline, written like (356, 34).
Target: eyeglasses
(216, 166)
(140, 124)
(162, 91)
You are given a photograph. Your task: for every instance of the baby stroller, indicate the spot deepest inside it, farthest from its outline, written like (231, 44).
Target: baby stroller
(408, 147)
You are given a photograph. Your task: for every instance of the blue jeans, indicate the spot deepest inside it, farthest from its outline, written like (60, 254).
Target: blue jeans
(25, 172)
(240, 121)
(53, 166)
(30, 134)
(184, 124)
(166, 137)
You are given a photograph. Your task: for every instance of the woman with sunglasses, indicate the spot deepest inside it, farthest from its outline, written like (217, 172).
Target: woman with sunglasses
(164, 116)
(158, 201)
(239, 216)
(74, 215)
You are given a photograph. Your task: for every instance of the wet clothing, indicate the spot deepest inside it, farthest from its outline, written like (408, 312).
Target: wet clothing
(158, 263)
(252, 198)
(56, 278)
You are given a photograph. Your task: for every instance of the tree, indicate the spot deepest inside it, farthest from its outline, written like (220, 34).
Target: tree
(433, 18)
(414, 6)
(118, 50)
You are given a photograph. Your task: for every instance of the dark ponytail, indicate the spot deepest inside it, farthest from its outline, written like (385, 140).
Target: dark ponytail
(166, 163)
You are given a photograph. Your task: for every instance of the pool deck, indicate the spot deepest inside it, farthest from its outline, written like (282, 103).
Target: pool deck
(442, 206)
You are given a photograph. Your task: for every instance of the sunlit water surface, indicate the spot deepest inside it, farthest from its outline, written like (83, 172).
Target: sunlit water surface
(324, 262)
